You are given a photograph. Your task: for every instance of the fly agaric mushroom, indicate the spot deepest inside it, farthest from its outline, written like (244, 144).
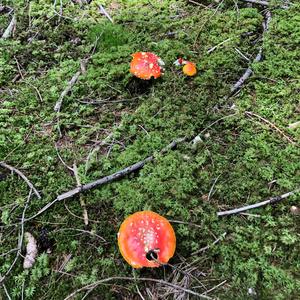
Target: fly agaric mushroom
(188, 69)
(145, 65)
(146, 239)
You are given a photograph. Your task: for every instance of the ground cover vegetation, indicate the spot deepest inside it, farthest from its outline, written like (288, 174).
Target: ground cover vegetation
(245, 151)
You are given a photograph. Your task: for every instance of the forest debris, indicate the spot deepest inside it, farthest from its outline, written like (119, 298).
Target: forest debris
(105, 13)
(218, 45)
(13, 169)
(294, 125)
(82, 203)
(272, 125)
(257, 58)
(31, 251)
(259, 204)
(143, 279)
(20, 239)
(9, 31)
(264, 3)
(104, 180)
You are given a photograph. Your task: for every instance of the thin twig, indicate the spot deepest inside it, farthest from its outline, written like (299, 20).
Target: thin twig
(256, 205)
(198, 137)
(212, 187)
(20, 239)
(257, 58)
(6, 292)
(81, 200)
(209, 246)
(249, 113)
(83, 231)
(215, 47)
(104, 12)
(263, 3)
(68, 89)
(104, 180)
(215, 287)
(247, 73)
(10, 251)
(13, 169)
(159, 281)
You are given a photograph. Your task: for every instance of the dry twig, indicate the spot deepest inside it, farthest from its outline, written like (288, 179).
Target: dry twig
(251, 114)
(13, 169)
(159, 281)
(257, 58)
(256, 205)
(263, 3)
(70, 84)
(20, 239)
(82, 203)
(209, 246)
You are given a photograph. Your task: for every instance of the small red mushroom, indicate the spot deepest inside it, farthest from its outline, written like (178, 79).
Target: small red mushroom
(188, 68)
(146, 239)
(145, 65)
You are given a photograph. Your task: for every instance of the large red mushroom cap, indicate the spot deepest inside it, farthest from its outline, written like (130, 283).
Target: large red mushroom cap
(145, 235)
(145, 65)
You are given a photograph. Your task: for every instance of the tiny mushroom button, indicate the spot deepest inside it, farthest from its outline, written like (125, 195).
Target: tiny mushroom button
(146, 239)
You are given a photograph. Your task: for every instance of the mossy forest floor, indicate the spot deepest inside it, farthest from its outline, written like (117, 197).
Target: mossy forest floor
(108, 120)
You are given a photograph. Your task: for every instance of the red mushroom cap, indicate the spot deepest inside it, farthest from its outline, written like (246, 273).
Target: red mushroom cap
(143, 233)
(145, 65)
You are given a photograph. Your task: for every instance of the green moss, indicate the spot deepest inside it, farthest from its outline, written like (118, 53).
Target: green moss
(240, 159)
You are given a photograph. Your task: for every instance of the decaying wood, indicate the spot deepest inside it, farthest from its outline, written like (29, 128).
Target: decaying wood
(259, 204)
(13, 169)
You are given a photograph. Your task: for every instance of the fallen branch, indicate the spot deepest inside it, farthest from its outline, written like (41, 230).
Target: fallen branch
(159, 281)
(249, 113)
(13, 169)
(257, 58)
(104, 180)
(256, 205)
